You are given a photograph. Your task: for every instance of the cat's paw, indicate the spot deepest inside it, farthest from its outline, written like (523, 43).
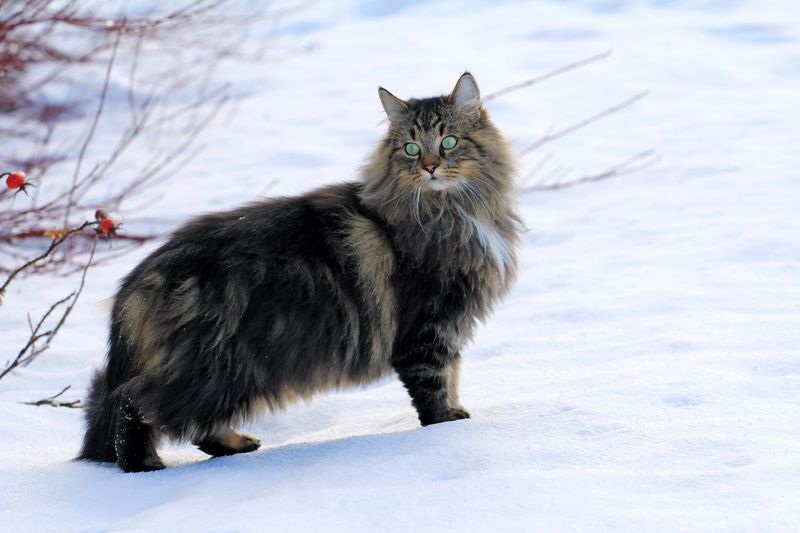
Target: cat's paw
(459, 413)
(149, 464)
(229, 443)
(453, 413)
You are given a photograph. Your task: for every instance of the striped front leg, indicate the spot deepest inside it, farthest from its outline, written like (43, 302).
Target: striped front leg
(430, 372)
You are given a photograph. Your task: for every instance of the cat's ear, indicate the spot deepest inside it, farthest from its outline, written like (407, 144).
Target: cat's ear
(394, 107)
(465, 94)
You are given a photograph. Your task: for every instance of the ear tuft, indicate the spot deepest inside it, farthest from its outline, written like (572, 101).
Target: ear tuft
(465, 94)
(394, 107)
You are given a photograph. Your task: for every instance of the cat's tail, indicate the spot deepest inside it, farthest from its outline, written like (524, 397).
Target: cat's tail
(104, 402)
(102, 409)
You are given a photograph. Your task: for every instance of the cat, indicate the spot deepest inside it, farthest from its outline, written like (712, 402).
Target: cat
(248, 310)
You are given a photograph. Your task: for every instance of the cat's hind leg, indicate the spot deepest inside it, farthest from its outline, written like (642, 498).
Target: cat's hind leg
(228, 442)
(135, 441)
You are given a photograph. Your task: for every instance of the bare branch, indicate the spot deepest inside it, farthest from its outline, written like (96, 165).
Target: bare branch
(547, 75)
(53, 245)
(35, 336)
(33, 35)
(92, 129)
(583, 123)
(633, 164)
(29, 352)
(51, 401)
(542, 162)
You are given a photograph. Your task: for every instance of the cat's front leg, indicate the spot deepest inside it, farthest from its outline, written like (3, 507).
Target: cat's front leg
(430, 372)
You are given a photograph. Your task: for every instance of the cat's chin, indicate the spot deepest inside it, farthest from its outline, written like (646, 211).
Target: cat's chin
(441, 185)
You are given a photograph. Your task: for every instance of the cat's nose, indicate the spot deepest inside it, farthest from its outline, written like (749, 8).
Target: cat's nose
(431, 168)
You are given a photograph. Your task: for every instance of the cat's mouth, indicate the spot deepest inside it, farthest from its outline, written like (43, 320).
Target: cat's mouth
(438, 184)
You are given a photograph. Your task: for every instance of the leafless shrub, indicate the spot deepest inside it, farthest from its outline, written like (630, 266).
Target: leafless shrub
(65, 65)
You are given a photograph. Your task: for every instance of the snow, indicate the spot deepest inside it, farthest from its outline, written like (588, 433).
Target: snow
(644, 373)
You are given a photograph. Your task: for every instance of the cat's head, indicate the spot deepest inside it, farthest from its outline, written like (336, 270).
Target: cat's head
(440, 147)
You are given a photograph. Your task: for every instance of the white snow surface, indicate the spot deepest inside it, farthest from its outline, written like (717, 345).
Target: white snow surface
(643, 375)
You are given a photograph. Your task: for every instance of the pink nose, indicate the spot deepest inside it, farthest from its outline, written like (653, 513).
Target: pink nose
(431, 168)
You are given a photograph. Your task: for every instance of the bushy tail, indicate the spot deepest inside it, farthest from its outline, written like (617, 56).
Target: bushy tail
(101, 420)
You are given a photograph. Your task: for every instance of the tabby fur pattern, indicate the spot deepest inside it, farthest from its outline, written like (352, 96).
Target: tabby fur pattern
(249, 310)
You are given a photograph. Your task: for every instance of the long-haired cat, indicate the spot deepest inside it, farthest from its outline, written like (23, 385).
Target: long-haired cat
(248, 310)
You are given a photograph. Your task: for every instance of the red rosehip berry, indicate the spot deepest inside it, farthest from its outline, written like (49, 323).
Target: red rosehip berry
(100, 215)
(107, 226)
(16, 180)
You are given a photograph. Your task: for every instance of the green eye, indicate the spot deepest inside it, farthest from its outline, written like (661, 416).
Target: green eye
(449, 142)
(412, 148)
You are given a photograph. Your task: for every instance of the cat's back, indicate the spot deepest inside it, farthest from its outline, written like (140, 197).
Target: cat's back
(285, 281)
(309, 228)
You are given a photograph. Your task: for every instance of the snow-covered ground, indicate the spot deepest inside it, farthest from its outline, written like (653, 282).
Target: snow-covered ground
(644, 375)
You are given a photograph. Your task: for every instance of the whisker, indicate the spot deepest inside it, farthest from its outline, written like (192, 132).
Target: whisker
(468, 197)
(478, 196)
(404, 189)
(416, 209)
(487, 184)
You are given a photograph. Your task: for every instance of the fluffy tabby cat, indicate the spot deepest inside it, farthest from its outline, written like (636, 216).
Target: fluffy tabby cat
(248, 310)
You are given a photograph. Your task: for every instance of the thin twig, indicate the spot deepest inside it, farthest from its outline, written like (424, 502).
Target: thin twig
(53, 245)
(51, 400)
(29, 348)
(547, 75)
(77, 293)
(542, 162)
(38, 232)
(93, 128)
(35, 336)
(583, 123)
(630, 165)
